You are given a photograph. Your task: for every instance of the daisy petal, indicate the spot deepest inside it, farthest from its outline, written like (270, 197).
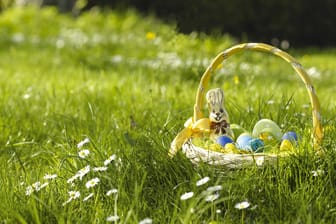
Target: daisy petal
(187, 195)
(202, 181)
(242, 205)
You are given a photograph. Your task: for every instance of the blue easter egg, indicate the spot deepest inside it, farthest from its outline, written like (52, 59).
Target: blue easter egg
(291, 136)
(223, 140)
(243, 141)
(256, 145)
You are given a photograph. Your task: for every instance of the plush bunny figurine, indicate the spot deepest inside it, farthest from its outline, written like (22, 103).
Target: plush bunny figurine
(219, 118)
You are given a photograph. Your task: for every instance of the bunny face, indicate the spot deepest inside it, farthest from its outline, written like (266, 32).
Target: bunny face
(215, 99)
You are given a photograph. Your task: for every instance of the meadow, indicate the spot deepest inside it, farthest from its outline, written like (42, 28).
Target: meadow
(90, 105)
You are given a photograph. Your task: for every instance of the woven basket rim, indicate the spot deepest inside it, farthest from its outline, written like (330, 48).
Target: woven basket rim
(200, 155)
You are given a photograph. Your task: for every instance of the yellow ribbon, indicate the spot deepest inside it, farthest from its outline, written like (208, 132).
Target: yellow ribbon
(190, 128)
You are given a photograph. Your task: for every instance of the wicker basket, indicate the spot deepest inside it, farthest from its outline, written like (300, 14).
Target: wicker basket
(194, 124)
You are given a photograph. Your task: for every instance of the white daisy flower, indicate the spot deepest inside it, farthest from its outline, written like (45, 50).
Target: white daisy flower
(314, 72)
(211, 197)
(93, 182)
(317, 173)
(242, 205)
(37, 186)
(44, 185)
(98, 169)
(112, 191)
(74, 194)
(82, 172)
(88, 197)
(260, 161)
(29, 190)
(72, 179)
(146, 221)
(109, 160)
(26, 96)
(187, 195)
(112, 218)
(202, 181)
(83, 153)
(18, 37)
(82, 143)
(50, 176)
(214, 188)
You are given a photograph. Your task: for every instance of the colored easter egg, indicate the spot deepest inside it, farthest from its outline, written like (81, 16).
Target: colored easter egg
(230, 147)
(237, 130)
(267, 127)
(223, 140)
(243, 141)
(266, 137)
(291, 136)
(256, 145)
(286, 145)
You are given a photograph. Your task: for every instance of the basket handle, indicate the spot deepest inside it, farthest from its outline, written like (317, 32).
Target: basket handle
(317, 132)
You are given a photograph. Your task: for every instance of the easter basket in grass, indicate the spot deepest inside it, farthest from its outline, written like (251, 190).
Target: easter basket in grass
(196, 139)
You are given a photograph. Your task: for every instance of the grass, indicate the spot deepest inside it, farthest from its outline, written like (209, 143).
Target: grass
(127, 83)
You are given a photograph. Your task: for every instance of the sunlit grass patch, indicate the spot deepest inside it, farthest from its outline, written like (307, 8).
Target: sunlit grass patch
(90, 105)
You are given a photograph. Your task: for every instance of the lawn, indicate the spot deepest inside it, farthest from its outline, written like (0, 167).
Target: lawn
(89, 107)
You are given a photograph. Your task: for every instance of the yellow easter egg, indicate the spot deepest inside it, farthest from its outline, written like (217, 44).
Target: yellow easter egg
(231, 148)
(286, 145)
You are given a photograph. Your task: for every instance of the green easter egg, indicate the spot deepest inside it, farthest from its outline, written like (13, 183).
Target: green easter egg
(267, 127)
(237, 130)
